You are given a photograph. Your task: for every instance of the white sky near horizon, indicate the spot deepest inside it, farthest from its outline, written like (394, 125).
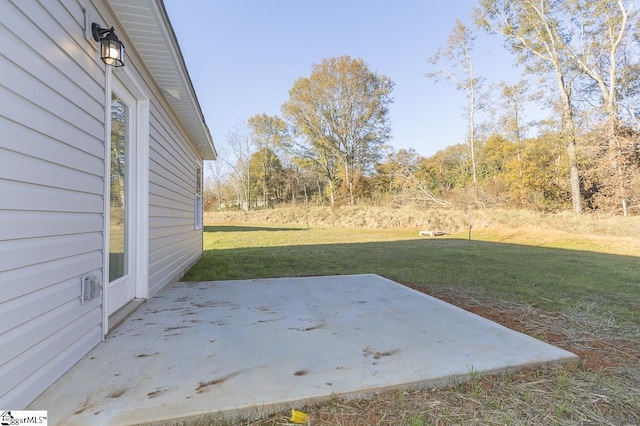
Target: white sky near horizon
(243, 56)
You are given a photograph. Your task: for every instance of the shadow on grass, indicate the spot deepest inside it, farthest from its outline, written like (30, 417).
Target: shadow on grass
(216, 228)
(550, 278)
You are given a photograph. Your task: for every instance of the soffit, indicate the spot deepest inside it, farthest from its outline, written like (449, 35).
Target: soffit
(147, 25)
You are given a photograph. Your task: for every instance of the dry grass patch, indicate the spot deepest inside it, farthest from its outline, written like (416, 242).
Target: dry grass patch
(450, 221)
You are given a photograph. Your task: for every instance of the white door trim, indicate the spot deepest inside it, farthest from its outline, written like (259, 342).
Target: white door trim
(122, 78)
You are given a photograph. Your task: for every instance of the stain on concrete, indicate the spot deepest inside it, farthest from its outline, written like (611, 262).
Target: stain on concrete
(203, 386)
(85, 405)
(269, 320)
(146, 355)
(157, 393)
(314, 327)
(178, 327)
(266, 310)
(117, 393)
(211, 304)
(367, 352)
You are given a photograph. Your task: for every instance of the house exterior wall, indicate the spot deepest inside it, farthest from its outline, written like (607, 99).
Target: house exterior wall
(52, 171)
(174, 242)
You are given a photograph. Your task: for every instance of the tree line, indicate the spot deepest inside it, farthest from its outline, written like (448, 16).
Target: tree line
(331, 143)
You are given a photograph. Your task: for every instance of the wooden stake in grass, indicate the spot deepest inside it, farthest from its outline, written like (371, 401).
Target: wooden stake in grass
(469, 220)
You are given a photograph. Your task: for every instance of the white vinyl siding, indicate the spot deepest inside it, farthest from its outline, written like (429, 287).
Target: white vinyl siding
(52, 112)
(174, 243)
(51, 184)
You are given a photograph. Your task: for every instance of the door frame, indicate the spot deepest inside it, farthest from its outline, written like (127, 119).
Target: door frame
(139, 232)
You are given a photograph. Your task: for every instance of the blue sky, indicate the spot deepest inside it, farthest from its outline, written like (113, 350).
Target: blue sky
(243, 56)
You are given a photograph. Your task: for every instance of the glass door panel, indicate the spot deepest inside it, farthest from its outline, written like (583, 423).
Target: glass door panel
(118, 225)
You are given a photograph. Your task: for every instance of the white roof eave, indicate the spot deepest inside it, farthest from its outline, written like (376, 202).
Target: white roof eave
(148, 27)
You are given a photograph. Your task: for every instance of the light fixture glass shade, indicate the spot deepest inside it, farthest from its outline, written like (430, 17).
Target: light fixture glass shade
(112, 52)
(111, 48)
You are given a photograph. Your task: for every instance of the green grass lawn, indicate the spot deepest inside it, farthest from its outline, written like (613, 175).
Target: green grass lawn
(492, 265)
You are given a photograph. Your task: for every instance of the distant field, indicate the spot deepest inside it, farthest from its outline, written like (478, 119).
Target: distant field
(451, 221)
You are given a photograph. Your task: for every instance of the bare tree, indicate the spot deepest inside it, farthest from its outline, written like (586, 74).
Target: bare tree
(602, 28)
(239, 161)
(456, 65)
(533, 30)
(216, 175)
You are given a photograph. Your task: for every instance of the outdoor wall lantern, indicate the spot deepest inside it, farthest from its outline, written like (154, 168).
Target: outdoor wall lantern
(111, 49)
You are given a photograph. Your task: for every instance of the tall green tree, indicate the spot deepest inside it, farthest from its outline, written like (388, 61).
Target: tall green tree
(513, 126)
(266, 174)
(447, 170)
(270, 136)
(342, 112)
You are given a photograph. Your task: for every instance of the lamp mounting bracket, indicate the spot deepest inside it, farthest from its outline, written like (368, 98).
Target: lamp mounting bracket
(99, 32)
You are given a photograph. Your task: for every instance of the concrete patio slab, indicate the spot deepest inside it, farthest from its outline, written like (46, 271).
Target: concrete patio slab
(233, 346)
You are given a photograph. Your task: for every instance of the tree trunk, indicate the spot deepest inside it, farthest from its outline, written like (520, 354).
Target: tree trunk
(472, 135)
(348, 176)
(574, 176)
(320, 196)
(569, 134)
(331, 194)
(474, 168)
(615, 152)
(265, 195)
